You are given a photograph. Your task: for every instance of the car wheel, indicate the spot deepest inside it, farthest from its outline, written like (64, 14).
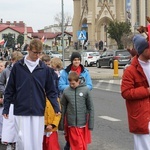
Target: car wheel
(86, 64)
(111, 65)
(98, 64)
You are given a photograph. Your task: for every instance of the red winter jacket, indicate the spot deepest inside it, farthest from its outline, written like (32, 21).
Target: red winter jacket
(134, 91)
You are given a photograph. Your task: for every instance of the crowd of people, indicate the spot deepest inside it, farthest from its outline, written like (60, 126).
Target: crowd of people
(32, 90)
(38, 97)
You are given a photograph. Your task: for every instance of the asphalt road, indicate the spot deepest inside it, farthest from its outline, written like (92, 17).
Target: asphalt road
(111, 127)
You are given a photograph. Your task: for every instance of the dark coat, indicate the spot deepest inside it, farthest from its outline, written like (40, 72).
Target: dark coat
(29, 90)
(78, 107)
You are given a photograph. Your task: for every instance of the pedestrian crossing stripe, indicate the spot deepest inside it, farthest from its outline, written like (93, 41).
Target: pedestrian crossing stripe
(81, 35)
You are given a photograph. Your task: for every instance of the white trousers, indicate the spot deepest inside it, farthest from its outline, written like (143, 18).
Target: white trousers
(9, 133)
(141, 141)
(30, 132)
(1, 121)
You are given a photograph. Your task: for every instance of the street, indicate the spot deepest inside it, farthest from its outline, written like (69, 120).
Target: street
(111, 126)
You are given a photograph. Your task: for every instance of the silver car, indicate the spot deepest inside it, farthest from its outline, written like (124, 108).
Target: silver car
(53, 54)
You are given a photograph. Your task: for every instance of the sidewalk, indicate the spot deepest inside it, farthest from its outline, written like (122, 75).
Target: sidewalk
(102, 74)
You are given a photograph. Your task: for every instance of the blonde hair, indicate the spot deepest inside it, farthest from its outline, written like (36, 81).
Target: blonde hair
(15, 56)
(45, 58)
(56, 63)
(73, 76)
(2, 62)
(36, 44)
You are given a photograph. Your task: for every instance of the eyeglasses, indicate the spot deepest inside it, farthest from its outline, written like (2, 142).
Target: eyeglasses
(36, 52)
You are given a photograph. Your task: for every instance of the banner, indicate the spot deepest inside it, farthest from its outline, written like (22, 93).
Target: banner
(2, 42)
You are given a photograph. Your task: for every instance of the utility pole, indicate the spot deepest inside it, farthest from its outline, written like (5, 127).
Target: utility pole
(62, 29)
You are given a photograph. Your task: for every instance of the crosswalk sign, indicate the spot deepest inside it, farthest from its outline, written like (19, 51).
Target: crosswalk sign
(81, 35)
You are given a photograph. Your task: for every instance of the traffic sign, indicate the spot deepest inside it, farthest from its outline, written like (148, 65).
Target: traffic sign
(81, 35)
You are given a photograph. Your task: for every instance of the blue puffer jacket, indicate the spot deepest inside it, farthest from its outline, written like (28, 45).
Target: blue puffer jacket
(28, 90)
(64, 83)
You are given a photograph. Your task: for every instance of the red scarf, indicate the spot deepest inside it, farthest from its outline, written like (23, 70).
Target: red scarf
(76, 69)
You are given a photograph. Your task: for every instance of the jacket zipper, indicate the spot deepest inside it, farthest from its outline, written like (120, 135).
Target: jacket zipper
(76, 107)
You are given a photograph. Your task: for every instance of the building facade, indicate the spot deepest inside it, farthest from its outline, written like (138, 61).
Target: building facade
(93, 16)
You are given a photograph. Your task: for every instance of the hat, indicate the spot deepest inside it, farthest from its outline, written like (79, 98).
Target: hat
(140, 43)
(75, 55)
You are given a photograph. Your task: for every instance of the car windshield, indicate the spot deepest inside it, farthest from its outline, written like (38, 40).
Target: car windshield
(47, 51)
(54, 52)
(94, 54)
(122, 53)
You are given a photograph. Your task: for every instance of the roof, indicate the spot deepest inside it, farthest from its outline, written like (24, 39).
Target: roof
(16, 28)
(48, 35)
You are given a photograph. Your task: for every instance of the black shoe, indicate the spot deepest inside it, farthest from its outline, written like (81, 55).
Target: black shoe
(67, 146)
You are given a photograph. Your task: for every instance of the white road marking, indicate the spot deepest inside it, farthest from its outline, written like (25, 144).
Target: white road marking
(109, 118)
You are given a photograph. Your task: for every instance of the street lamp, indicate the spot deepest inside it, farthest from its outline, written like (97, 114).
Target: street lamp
(62, 29)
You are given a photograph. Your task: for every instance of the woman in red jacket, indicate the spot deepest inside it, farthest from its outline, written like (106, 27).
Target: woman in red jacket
(135, 89)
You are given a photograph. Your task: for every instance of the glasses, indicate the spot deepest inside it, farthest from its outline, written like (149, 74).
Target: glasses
(36, 52)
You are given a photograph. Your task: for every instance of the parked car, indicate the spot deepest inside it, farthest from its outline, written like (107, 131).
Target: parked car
(107, 58)
(53, 54)
(89, 58)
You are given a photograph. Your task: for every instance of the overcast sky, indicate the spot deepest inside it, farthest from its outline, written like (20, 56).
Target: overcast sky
(35, 13)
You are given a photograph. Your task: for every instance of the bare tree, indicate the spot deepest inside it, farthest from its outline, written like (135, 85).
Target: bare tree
(127, 40)
(67, 20)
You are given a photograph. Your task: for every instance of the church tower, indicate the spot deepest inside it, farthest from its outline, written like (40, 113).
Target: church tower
(93, 16)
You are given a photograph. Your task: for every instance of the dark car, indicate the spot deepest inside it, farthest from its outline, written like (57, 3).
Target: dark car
(107, 58)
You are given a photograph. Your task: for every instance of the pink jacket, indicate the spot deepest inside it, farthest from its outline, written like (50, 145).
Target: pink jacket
(134, 91)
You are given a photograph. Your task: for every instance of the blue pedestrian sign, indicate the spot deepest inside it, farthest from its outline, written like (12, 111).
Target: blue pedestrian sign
(81, 35)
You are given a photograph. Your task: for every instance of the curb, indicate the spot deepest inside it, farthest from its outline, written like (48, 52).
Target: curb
(93, 77)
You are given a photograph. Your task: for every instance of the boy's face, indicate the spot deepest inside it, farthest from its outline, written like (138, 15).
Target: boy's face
(34, 54)
(76, 62)
(74, 84)
(47, 63)
(2, 67)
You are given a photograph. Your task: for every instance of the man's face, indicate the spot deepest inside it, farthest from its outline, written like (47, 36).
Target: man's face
(34, 54)
(74, 84)
(76, 62)
(146, 54)
(2, 67)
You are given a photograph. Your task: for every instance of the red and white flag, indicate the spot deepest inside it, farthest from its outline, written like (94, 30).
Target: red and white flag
(2, 42)
(42, 39)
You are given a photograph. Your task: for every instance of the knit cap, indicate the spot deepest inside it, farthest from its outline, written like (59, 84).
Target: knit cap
(75, 55)
(140, 43)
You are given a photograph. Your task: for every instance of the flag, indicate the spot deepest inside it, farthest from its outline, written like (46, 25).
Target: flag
(2, 42)
(42, 40)
(5, 44)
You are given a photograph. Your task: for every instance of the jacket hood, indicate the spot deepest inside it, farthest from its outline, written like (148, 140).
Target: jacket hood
(68, 68)
(82, 81)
